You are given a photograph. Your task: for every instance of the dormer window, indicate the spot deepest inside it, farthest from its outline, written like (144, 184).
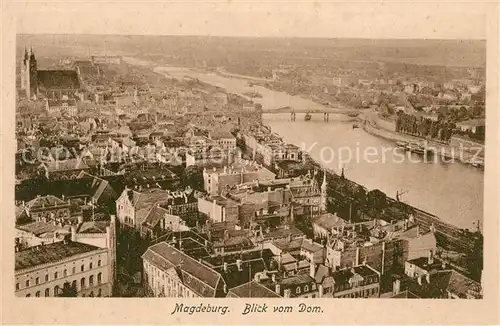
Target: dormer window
(306, 288)
(297, 290)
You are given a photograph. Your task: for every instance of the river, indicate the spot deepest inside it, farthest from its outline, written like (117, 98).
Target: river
(452, 191)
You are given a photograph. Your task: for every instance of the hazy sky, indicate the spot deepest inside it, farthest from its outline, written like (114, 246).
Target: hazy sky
(407, 19)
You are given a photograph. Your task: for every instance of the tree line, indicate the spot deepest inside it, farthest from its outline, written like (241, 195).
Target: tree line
(422, 127)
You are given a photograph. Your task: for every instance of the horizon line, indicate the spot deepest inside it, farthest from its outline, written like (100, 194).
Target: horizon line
(261, 37)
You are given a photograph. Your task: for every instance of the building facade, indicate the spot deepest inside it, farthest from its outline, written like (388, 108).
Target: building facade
(43, 271)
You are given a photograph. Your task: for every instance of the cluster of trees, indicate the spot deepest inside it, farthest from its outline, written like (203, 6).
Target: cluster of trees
(422, 127)
(193, 177)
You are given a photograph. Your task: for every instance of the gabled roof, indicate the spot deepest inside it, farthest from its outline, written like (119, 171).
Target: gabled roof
(66, 165)
(155, 215)
(252, 290)
(321, 272)
(455, 283)
(144, 199)
(93, 227)
(44, 201)
(39, 228)
(221, 135)
(311, 246)
(199, 278)
(329, 220)
(234, 277)
(97, 186)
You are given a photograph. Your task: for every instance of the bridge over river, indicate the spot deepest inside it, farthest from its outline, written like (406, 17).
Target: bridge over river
(325, 112)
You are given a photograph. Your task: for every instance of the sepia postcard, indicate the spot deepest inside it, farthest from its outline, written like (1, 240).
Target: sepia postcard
(250, 162)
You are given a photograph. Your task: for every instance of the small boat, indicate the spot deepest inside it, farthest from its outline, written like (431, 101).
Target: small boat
(353, 114)
(307, 117)
(416, 148)
(354, 126)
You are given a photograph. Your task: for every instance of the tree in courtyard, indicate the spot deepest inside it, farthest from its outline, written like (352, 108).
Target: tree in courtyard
(193, 177)
(377, 199)
(68, 290)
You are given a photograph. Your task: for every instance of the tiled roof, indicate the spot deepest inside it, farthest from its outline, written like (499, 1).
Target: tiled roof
(252, 290)
(44, 201)
(199, 278)
(405, 295)
(221, 135)
(234, 277)
(57, 103)
(298, 279)
(240, 241)
(287, 259)
(58, 79)
(50, 253)
(93, 227)
(321, 272)
(21, 213)
(329, 220)
(145, 199)
(39, 228)
(455, 283)
(311, 246)
(343, 276)
(66, 165)
(287, 245)
(155, 214)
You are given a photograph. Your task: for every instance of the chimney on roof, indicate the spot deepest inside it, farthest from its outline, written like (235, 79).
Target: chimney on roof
(419, 280)
(277, 288)
(239, 264)
(430, 258)
(428, 278)
(73, 234)
(396, 286)
(225, 267)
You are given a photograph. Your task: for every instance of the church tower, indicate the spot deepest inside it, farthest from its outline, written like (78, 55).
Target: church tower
(29, 73)
(322, 205)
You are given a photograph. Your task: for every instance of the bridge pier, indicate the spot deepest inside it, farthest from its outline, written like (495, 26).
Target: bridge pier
(326, 116)
(292, 116)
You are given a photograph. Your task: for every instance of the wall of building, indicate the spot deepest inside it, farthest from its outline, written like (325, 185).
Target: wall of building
(125, 212)
(213, 210)
(72, 268)
(165, 283)
(60, 212)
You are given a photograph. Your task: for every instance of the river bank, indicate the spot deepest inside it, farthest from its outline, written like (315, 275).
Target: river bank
(371, 124)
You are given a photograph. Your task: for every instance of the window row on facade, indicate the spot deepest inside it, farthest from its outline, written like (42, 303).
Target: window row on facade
(57, 290)
(56, 275)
